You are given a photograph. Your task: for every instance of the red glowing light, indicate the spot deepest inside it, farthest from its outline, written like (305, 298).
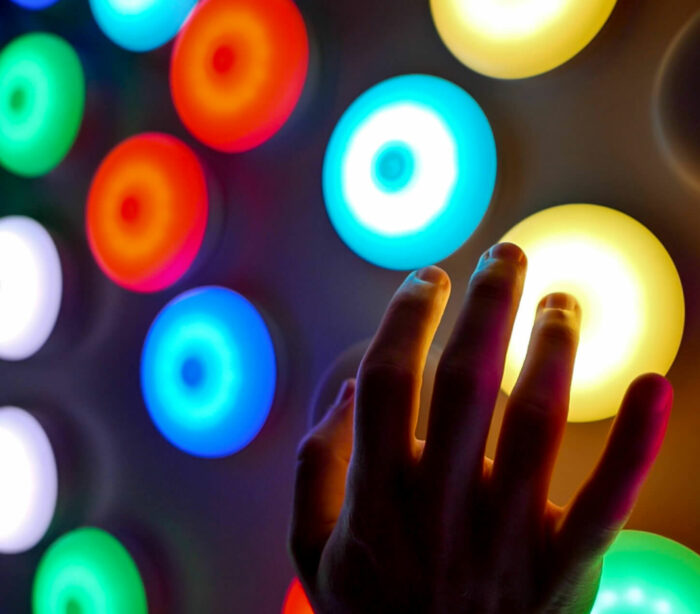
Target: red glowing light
(238, 69)
(296, 601)
(147, 212)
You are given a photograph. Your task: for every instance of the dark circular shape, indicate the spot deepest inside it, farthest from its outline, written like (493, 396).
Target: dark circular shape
(73, 607)
(677, 103)
(192, 372)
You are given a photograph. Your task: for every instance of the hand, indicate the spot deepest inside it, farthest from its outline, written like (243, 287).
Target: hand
(384, 523)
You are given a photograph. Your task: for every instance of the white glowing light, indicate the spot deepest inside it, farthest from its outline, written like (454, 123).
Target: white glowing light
(423, 133)
(31, 286)
(28, 481)
(509, 18)
(635, 595)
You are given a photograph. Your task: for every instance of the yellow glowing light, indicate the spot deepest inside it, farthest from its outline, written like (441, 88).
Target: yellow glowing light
(629, 291)
(511, 39)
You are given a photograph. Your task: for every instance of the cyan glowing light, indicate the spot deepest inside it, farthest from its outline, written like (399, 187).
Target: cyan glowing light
(409, 171)
(31, 287)
(644, 573)
(208, 372)
(28, 481)
(35, 4)
(141, 25)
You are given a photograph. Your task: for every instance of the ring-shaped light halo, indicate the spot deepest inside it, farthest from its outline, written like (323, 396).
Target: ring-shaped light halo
(28, 481)
(141, 25)
(35, 5)
(238, 70)
(220, 405)
(153, 247)
(88, 571)
(646, 573)
(512, 40)
(42, 97)
(630, 294)
(31, 287)
(454, 171)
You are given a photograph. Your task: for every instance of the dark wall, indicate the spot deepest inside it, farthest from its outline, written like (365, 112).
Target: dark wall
(216, 528)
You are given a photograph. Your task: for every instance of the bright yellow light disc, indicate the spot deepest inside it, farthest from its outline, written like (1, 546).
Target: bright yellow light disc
(629, 291)
(511, 39)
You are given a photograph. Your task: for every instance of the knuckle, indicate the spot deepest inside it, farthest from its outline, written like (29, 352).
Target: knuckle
(495, 283)
(459, 373)
(386, 366)
(410, 305)
(313, 448)
(559, 327)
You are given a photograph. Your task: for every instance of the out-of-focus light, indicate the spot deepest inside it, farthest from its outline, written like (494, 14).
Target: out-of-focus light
(141, 25)
(629, 291)
(35, 4)
(513, 39)
(42, 95)
(409, 171)
(147, 212)
(31, 287)
(88, 571)
(644, 573)
(28, 481)
(296, 601)
(238, 70)
(208, 372)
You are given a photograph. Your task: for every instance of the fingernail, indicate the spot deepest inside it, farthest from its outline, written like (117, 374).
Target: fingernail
(507, 251)
(346, 390)
(431, 275)
(561, 300)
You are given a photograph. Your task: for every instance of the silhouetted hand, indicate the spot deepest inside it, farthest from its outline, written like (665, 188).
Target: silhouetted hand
(384, 523)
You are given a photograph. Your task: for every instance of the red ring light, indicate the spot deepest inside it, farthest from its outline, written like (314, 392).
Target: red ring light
(238, 69)
(147, 212)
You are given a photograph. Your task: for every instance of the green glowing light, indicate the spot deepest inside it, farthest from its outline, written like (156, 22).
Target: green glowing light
(645, 573)
(42, 97)
(88, 571)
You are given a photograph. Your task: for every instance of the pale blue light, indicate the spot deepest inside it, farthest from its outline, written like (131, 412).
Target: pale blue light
(208, 372)
(409, 171)
(141, 25)
(35, 4)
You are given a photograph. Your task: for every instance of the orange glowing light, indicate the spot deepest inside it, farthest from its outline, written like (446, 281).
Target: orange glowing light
(238, 70)
(296, 601)
(147, 212)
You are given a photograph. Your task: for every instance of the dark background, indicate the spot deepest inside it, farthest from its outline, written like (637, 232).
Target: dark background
(215, 529)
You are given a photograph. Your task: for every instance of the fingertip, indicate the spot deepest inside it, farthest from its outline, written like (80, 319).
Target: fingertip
(433, 275)
(651, 390)
(347, 389)
(508, 251)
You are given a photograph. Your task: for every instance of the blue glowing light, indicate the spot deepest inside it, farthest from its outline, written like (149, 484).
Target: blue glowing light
(409, 171)
(141, 25)
(208, 372)
(35, 4)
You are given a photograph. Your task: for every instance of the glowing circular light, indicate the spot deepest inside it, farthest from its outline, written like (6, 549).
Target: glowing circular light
(28, 481)
(31, 286)
(511, 40)
(88, 571)
(35, 4)
(208, 372)
(296, 601)
(629, 291)
(409, 171)
(238, 69)
(644, 573)
(42, 95)
(147, 212)
(141, 25)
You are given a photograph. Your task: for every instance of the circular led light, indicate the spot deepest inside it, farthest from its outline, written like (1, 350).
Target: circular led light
(35, 4)
(147, 212)
(296, 601)
(28, 481)
(629, 291)
(88, 571)
(645, 573)
(141, 25)
(511, 40)
(208, 372)
(31, 285)
(42, 95)
(238, 70)
(409, 171)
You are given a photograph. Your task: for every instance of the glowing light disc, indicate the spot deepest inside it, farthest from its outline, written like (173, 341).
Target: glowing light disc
(629, 291)
(208, 372)
(35, 4)
(409, 171)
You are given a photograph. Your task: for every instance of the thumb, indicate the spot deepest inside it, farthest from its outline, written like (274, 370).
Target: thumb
(322, 466)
